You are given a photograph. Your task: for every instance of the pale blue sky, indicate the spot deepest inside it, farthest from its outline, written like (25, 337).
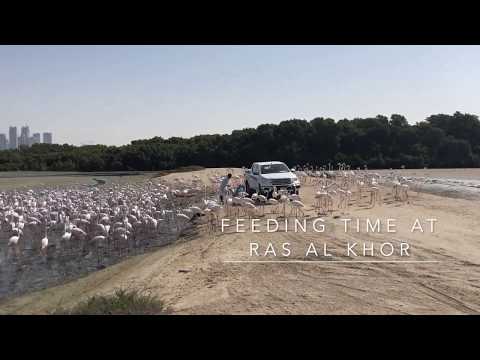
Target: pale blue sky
(116, 94)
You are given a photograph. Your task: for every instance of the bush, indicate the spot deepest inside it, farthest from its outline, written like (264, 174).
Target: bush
(121, 302)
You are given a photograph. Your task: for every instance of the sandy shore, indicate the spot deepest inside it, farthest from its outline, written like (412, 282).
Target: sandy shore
(194, 276)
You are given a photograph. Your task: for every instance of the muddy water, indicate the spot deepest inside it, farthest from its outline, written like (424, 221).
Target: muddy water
(29, 270)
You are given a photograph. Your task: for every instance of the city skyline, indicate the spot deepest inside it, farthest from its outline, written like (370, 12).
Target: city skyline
(14, 141)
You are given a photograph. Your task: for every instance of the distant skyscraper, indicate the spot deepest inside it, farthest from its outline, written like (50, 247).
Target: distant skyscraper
(36, 138)
(24, 139)
(3, 142)
(47, 138)
(12, 137)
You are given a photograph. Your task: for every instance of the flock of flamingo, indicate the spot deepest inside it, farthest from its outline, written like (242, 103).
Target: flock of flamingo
(105, 219)
(92, 224)
(334, 190)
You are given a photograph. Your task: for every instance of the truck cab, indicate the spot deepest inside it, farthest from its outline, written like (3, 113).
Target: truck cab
(264, 177)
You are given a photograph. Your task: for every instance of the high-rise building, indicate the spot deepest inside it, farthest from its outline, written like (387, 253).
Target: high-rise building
(3, 142)
(36, 139)
(24, 139)
(12, 137)
(47, 138)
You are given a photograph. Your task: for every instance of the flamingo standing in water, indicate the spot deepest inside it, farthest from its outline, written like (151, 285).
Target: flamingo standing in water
(13, 242)
(44, 244)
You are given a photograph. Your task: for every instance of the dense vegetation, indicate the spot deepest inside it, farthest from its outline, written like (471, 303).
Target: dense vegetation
(379, 142)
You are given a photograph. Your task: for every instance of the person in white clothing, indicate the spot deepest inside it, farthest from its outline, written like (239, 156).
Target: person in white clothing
(223, 187)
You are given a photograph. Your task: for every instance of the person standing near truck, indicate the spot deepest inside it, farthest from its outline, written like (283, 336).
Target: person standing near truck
(223, 187)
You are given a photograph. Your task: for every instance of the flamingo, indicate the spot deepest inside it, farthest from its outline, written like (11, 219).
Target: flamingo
(297, 206)
(13, 242)
(44, 244)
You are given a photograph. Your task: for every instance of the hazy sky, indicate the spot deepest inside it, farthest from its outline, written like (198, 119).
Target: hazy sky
(116, 94)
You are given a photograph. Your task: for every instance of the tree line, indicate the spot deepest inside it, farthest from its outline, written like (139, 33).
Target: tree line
(440, 141)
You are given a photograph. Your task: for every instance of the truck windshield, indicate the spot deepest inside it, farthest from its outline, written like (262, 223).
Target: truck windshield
(275, 168)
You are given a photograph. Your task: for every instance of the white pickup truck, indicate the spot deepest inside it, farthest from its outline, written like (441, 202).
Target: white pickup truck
(263, 177)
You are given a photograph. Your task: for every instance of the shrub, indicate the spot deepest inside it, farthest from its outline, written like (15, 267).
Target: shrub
(121, 302)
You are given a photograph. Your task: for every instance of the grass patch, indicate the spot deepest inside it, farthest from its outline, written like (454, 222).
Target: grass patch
(121, 302)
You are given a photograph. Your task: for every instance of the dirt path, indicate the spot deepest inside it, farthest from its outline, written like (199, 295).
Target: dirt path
(193, 277)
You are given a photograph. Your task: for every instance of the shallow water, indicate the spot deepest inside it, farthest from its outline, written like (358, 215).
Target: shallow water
(460, 188)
